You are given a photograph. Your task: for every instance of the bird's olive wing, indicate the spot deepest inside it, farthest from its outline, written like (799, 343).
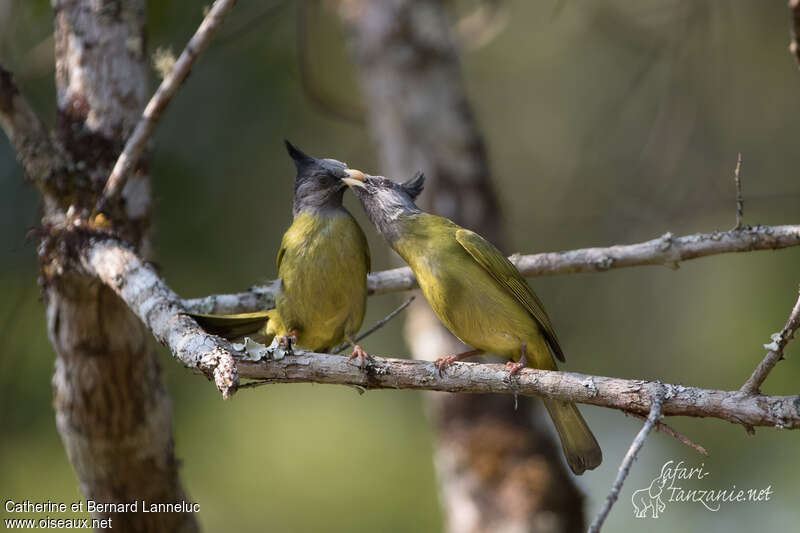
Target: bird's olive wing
(278, 259)
(501, 269)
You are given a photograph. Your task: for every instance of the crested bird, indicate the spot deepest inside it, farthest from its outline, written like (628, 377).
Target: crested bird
(477, 293)
(322, 264)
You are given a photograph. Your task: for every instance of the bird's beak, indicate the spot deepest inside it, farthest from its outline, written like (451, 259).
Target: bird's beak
(355, 178)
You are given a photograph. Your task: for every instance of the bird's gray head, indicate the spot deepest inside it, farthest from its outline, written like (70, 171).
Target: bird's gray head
(318, 184)
(385, 200)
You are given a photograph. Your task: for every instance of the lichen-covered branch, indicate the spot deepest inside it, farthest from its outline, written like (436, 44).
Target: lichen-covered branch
(775, 353)
(137, 142)
(666, 250)
(615, 393)
(159, 308)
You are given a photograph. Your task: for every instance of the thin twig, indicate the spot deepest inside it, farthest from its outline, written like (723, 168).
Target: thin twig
(158, 103)
(625, 468)
(739, 198)
(672, 432)
(666, 250)
(775, 353)
(378, 325)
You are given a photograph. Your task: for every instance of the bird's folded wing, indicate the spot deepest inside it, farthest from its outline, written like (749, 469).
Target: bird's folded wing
(502, 270)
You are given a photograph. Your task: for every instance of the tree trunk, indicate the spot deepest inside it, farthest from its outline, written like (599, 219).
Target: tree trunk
(112, 410)
(498, 468)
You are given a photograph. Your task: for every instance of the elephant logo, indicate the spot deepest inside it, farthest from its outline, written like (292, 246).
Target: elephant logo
(649, 499)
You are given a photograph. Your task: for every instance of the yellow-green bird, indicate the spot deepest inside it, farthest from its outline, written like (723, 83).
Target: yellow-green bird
(322, 265)
(477, 293)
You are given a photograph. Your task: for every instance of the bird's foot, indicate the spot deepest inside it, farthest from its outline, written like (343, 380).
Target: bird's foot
(361, 355)
(514, 368)
(288, 341)
(442, 363)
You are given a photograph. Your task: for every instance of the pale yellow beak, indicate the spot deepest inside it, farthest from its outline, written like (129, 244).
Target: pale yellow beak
(355, 178)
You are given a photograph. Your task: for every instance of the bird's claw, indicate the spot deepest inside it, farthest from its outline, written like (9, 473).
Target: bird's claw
(514, 368)
(358, 352)
(442, 363)
(288, 342)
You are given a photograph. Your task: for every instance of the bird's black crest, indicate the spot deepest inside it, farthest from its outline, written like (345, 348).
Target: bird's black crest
(300, 159)
(415, 185)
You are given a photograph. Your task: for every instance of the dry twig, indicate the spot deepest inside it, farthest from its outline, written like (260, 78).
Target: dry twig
(666, 250)
(739, 200)
(775, 353)
(625, 468)
(378, 325)
(136, 143)
(680, 437)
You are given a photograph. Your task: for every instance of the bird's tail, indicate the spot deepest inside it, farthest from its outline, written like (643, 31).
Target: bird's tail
(236, 327)
(580, 447)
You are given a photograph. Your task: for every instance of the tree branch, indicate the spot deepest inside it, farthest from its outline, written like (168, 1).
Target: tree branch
(136, 143)
(625, 468)
(159, 308)
(33, 145)
(614, 393)
(666, 250)
(775, 353)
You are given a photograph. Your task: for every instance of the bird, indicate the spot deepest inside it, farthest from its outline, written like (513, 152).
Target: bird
(477, 293)
(322, 264)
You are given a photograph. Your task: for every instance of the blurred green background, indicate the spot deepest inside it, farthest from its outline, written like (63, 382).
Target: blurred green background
(607, 122)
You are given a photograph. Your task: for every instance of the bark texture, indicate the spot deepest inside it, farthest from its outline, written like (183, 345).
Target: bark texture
(629, 395)
(112, 410)
(497, 469)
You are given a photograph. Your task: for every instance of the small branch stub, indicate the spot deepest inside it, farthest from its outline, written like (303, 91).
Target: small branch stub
(739, 199)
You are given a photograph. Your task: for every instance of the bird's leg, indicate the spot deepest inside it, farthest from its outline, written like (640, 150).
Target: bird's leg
(358, 352)
(443, 362)
(516, 367)
(288, 340)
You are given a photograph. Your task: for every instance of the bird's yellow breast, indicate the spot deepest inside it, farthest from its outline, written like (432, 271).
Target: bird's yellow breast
(323, 265)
